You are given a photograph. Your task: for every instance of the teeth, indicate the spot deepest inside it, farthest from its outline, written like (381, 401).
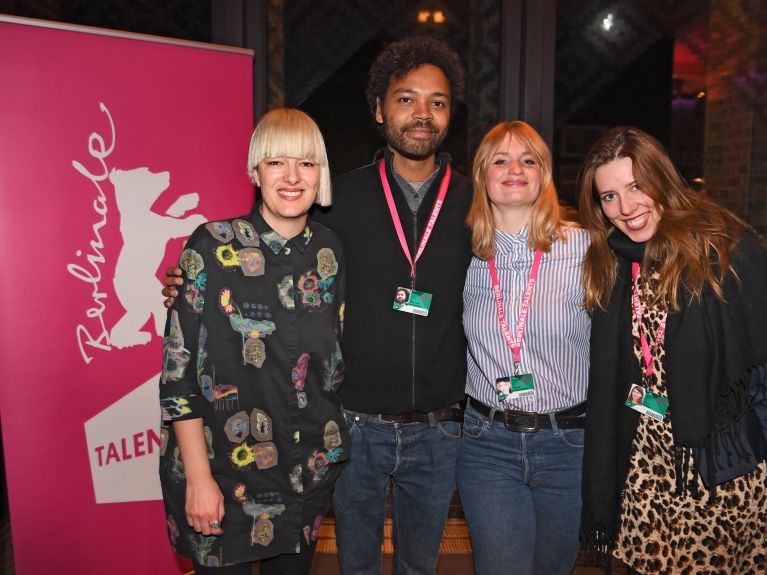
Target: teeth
(637, 222)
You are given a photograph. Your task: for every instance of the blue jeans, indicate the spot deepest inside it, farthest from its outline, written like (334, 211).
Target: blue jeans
(419, 458)
(521, 494)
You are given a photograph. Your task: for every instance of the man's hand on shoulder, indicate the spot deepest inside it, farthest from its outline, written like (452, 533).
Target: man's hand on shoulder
(172, 279)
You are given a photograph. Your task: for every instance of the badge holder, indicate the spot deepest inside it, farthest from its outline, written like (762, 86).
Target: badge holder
(412, 301)
(646, 402)
(516, 386)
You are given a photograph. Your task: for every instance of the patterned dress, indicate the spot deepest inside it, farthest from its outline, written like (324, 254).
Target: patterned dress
(251, 347)
(664, 533)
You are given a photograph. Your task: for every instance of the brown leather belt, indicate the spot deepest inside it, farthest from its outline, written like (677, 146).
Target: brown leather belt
(532, 421)
(444, 414)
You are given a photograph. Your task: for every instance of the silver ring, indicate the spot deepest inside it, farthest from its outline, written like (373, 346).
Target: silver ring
(215, 524)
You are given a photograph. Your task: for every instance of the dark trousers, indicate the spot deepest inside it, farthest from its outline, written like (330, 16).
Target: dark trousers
(287, 564)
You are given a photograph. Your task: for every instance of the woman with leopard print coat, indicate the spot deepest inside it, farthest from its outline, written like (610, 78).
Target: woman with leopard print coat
(676, 287)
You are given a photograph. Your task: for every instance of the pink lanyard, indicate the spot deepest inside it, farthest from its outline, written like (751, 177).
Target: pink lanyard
(515, 344)
(636, 304)
(398, 225)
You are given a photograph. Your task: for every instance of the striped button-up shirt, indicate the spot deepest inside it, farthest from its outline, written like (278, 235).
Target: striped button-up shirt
(555, 346)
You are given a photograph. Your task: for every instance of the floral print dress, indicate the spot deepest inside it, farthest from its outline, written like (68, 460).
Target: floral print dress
(251, 347)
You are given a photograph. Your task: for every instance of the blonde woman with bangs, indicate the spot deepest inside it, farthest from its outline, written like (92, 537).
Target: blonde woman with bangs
(253, 433)
(519, 462)
(677, 289)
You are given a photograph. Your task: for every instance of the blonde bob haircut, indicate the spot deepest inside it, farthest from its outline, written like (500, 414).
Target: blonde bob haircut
(287, 132)
(545, 223)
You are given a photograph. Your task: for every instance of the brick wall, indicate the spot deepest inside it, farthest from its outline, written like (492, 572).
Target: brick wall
(735, 151)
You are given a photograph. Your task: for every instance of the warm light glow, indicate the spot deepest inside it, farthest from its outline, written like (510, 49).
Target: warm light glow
(607, 23)
(438, 17)
(700, 94)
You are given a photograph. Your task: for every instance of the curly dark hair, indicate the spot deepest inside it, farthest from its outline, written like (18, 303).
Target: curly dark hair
(400, 57)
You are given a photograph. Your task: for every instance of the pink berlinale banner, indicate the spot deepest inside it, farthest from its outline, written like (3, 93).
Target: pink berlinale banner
(113, 148)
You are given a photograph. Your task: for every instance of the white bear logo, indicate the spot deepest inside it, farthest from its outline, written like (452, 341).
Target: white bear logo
(144, 234)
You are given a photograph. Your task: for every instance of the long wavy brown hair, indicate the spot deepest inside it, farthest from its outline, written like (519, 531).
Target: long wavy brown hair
(695, 236)
(546, 218)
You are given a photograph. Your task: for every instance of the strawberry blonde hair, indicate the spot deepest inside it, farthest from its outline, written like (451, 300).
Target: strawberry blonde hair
(545, 220)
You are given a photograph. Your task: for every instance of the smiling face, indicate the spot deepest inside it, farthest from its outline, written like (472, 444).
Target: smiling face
(513, 179)
(636, 395)
(624, 203)
(415, 113)
(288, 190)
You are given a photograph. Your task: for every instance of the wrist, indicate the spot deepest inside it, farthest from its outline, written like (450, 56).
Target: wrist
(198, 478)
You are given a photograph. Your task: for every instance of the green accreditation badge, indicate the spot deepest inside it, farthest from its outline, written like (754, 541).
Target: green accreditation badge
(515, 386)
(646, 402)
(412, 301)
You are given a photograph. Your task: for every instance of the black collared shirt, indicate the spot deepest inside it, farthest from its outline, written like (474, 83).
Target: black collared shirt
(251, 347)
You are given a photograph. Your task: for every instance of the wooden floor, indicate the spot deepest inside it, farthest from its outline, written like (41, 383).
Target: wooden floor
(455, 552)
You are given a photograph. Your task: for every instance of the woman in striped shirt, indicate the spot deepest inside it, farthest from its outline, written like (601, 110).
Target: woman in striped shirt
(519, 463)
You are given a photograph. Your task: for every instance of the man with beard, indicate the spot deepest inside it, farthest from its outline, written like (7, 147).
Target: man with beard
(401, 221)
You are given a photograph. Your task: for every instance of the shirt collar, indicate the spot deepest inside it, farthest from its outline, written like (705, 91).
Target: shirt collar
(506, 242)
(275, 241)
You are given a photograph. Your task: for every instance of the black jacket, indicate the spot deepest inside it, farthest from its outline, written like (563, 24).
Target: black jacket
(715, 363)
(397, 362)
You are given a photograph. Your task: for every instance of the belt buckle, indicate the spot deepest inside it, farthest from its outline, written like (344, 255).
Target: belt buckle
(511, 426)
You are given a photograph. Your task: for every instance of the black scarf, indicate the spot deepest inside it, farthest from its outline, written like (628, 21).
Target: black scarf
(712, 350)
